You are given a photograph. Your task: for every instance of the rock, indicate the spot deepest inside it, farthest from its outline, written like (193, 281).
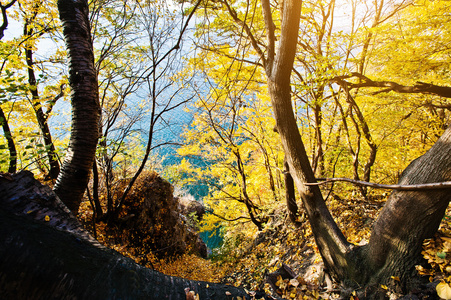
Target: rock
(189, 206)
(157, 224)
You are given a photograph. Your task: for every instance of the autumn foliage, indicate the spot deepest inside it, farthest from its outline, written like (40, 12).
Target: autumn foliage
(364, 95)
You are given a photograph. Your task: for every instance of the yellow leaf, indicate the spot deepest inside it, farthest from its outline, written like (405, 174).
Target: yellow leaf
(396, 278)
(443, 290)
(384, 287)
(47, 218)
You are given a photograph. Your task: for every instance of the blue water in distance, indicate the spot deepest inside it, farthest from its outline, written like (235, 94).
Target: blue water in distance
(172, 134)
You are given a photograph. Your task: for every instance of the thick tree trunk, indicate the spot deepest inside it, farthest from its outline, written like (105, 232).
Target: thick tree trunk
(406, 219)
(46, 254)
(74, 175)
(409, 217)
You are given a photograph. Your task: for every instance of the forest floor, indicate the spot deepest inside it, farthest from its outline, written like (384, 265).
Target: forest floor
(287, 252)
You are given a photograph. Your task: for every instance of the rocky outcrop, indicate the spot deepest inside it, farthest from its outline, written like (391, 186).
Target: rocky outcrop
(153, 220)
(193, 212)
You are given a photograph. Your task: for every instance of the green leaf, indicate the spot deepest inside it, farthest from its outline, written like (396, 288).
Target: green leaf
(441, 255)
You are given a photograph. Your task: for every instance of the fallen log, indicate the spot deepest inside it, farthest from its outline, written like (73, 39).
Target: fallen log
(46, 254)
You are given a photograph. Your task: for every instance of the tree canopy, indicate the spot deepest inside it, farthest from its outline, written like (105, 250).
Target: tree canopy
(273, 96)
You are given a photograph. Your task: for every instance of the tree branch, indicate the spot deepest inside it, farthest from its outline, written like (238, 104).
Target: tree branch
(224, 218)
(419, 87)
(270, 28)
(5, 17)
(400, 187)
(246, 28)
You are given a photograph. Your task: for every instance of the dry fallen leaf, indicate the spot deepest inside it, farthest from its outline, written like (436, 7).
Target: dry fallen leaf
(443, 290)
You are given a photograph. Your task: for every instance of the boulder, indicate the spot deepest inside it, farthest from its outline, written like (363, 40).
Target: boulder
(157, 223)
(190, 207)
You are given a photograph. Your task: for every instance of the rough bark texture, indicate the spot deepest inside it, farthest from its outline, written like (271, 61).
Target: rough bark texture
(409, 217)
(73, 178)
(57, 259)
(330, 240)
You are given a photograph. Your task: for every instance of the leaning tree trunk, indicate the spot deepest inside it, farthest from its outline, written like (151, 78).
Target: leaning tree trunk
(74, 175)
(46, 254)
(407, 218)
(330, 240)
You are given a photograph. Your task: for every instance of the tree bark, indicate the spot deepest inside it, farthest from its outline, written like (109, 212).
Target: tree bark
(419, 87)
(290, 194)
(408, 216)
(3, 121)
(74, 175)
(35, 102)
(11, 145)
(329, 239)
(54, 258)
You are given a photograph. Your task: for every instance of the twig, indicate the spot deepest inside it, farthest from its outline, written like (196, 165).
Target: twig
(413, 187)
(225, 219)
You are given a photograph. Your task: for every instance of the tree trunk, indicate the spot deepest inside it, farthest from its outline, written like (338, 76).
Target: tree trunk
(40, 116)
(54, 258)
(405, 221)
(11, 145)
(329, 239)
(409, 217)
(290, 194)
(74, 175)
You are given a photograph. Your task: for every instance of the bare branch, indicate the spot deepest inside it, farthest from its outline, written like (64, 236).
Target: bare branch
(5, 17)
(400, 187)
(225, 219)
(246, 28)
(419, 87)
